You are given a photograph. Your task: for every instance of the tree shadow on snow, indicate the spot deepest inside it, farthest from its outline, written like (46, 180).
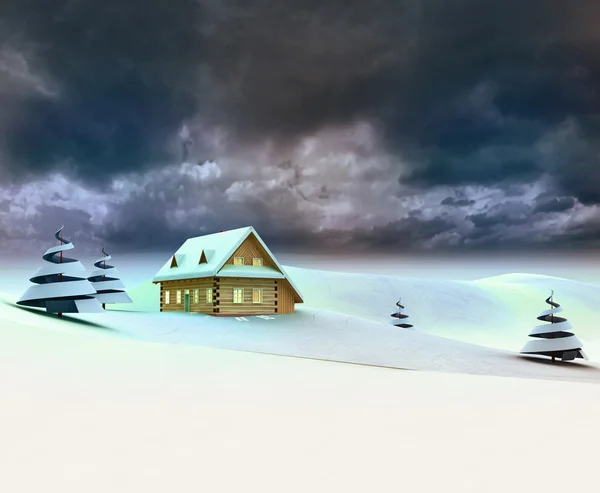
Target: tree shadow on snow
(575, 364)
(65, 318)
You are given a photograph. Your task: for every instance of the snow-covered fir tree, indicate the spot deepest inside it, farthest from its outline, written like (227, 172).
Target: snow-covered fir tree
(554, 339)
(109, 288)
(57, 287)
(401, 319)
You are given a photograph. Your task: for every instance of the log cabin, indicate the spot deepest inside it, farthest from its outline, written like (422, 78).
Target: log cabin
(231, 273)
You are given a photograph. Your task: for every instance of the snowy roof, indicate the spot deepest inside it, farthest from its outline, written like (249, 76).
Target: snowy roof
(218, 248)
(250, 271)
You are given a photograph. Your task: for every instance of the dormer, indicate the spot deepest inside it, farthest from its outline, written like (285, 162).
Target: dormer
(202, 258)
(177, 260)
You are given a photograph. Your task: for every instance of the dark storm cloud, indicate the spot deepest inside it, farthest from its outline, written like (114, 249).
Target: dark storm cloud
(488, 166)
(78, 227)
(143, 225)
(406, 233)
(553, 204)
(31, 237)
(457, 202)
(514, 190)
(123, 69)
(536, 70)
(130, 72)
(466, 93)
(571, 155)
(566, 74)
(491, 227)
(585, 234)
(503, 214)
(324, 194)
(485, 220)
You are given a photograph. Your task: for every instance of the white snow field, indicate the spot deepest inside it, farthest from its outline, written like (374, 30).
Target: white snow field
(496, 311)
(146, 402)
(346, 318)
(461, 326)
(85, 411)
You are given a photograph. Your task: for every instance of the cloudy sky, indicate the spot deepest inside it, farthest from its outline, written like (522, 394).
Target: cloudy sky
(388, 125)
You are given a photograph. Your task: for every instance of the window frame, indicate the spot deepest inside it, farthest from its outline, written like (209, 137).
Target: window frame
(237, 258)
(178, 297)
(209, 301)
(167, 296)
(238, 302)
(259, 259)
(261, 296)
(196, 296)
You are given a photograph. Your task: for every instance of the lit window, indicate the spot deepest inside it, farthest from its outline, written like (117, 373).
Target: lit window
(196, 295)
(178, 297)
(257, 262)
(238, 260)
(167, 297)
(238, 295)
(209, 295)
(256, 295)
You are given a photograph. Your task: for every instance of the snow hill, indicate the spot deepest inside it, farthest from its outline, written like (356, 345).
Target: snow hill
(84, 411)
(497, 312)
(345, 318)
(139, 401)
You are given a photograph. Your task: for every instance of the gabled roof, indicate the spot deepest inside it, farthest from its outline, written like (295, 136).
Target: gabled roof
(218, 248)
(263, 271)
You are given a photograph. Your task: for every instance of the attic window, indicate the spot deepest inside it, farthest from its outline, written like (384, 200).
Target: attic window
(202, 258)
(238, 261)
(174, 262)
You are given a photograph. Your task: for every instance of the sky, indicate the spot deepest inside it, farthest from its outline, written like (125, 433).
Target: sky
(339, 126)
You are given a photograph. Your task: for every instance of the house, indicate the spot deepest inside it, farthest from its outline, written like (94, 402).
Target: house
(227, 273)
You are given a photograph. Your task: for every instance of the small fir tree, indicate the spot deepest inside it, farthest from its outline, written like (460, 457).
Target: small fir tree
(554, 339)
(401, 319)
(57, 287)
(109, 288)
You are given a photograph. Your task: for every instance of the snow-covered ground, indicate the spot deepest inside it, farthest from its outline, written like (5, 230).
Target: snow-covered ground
(331, 336)
(346, 318)
(496, 311)
(140, 401)
(85, 411)
(474, 327)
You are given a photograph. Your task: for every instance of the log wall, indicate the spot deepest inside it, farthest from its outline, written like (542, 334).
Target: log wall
(225, 296)
(286, 297)
(190, 284)
(272, 292)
